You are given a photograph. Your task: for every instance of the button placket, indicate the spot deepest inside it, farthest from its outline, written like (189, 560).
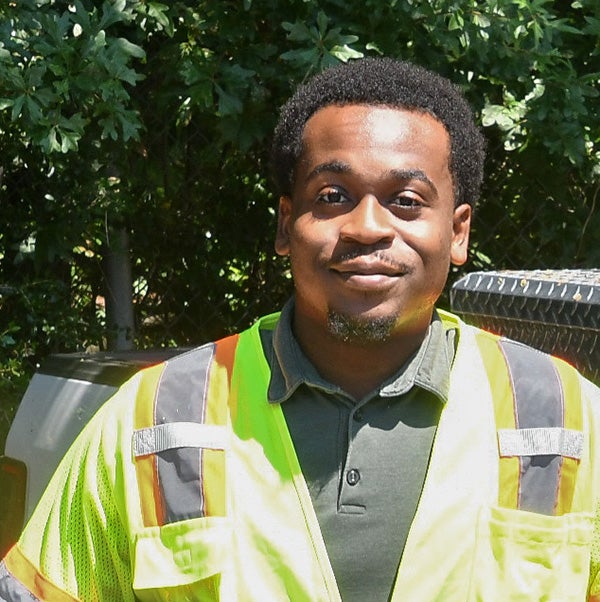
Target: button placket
(352, 486)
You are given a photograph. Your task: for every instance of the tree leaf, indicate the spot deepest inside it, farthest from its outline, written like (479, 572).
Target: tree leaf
(130, 49)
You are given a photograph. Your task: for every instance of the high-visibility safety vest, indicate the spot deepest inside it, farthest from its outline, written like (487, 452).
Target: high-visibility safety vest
(192, 476)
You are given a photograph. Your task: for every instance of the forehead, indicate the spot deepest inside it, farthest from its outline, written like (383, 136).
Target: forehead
(374, 140)
(374, 124)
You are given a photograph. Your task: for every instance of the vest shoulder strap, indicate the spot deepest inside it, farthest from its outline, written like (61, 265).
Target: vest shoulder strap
(539, 421)
(181, 435)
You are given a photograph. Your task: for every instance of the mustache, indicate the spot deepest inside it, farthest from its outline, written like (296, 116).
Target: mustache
(380, 255)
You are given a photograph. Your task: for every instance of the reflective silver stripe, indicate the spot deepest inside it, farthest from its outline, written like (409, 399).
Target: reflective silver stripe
(11, 589)
(536, 386)
(540, 442)
(181, 397)
(538, 404)
(173, 435)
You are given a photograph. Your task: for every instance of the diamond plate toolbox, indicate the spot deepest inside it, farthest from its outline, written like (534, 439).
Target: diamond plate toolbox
(557, 311)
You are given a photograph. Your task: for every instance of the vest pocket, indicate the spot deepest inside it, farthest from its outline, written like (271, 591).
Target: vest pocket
(522, 556)
(188, 555)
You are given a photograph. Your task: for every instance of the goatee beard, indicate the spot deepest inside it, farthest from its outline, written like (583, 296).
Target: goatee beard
(351, 329)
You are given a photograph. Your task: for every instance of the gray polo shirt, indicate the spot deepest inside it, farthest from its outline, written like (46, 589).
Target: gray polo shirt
(364, 461)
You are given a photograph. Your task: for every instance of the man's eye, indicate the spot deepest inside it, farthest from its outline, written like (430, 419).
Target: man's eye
(332, 197)
(406, 201)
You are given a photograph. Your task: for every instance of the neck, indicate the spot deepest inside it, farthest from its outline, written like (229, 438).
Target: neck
(357, 367)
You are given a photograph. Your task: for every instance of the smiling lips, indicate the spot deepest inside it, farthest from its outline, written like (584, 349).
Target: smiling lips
(368, 272)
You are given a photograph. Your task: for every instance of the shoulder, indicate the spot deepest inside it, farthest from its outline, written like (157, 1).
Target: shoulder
(221, 350)
(523, 361)
(487, 339)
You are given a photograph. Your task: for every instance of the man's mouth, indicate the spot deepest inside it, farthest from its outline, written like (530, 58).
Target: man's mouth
(369, 271)
(377, 263)
(365, 267)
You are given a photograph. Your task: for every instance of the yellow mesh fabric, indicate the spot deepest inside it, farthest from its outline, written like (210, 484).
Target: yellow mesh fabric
(594, 428)
(76, 538)
(595, 559)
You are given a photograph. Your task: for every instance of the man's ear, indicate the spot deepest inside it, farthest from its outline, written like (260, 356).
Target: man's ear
(284, 215)
(461, 225)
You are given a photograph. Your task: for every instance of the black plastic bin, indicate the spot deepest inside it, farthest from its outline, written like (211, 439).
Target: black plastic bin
(557, 311)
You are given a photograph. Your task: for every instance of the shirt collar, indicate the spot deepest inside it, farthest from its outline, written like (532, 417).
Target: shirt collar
(428, 368)
(290, 368)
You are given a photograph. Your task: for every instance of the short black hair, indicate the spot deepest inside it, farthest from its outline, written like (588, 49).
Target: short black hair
(389, 82)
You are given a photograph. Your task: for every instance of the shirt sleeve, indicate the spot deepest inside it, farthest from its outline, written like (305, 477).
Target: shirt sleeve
(76, 544)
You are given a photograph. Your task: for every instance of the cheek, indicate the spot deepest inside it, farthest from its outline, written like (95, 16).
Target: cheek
(429, 242)
(302, 256)
(432, 254)
(309, 237)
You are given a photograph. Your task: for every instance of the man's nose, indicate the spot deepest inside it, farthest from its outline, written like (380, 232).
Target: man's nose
(369, 222)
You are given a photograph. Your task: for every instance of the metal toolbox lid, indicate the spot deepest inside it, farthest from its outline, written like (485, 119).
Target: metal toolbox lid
(556, 311)
(569, 297)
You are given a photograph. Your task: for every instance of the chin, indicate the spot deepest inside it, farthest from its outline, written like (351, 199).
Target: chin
(362, 329)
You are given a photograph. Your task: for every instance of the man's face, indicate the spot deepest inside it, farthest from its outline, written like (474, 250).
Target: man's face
(371, 227)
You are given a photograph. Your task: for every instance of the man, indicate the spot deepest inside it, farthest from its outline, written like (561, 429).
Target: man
(359, 446)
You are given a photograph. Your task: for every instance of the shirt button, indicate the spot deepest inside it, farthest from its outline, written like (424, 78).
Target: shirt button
(353, 477)
(357, 416)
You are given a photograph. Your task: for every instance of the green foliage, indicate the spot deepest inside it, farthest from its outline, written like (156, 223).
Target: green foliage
(157, 116)
(66, 72)
(323, 46)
